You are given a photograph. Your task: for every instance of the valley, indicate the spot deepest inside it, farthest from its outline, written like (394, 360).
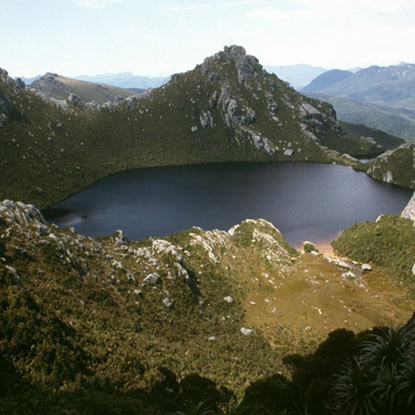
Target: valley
(227, 109)
(184, 317)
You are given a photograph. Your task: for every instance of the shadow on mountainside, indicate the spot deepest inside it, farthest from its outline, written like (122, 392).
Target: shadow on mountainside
(17, 396)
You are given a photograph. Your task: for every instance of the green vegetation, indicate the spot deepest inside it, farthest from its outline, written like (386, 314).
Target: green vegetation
(309, 247)
(47, 153)
(384, 140)
(197, 322)
(397, 122)
(388, 243)
(395, 166)
(380, 377)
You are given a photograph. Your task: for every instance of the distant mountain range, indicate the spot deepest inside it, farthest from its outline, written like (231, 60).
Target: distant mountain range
(389, 86)
(400, 123)
(125, 80)
(297, 75)
(378, 97)
(28, 81)
(326, 79)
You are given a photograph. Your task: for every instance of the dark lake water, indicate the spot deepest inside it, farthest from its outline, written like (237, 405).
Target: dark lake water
(304, 201)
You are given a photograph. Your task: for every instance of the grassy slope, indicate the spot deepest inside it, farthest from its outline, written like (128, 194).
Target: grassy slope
(388, 243)
(78, 327)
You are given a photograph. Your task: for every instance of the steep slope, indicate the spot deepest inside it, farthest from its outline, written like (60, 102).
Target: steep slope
(397, 122)
(388, 242)
(371, 134)
(227, 109)
(59, 87)
(220, 308)
(325, 80)
(395, 166)
(391, 86)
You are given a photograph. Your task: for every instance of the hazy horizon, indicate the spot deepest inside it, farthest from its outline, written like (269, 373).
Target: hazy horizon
(157, 39)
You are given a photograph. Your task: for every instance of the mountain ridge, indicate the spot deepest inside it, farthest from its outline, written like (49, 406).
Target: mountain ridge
(60, 88)
(226, 109)
(326, 79)
(390, 86)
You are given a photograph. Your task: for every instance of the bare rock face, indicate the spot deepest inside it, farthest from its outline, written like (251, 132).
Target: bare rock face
(74, 100)
(245, 65)
(20, 213)
(5, 105)
(409, 211)
(5, 109)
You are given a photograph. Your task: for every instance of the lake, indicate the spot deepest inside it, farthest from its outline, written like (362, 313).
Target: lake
(304, 201)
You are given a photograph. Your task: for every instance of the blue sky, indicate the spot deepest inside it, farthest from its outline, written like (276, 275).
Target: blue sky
(161, 37)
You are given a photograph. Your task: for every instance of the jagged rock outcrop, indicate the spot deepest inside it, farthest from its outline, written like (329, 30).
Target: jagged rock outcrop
(74, 100)
(27, 224)
(409, 211)
(4, 109)
(5, 105)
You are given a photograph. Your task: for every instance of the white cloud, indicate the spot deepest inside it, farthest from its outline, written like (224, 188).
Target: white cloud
(209, 4)
(97, 4)
(374, 6)
(277, 14)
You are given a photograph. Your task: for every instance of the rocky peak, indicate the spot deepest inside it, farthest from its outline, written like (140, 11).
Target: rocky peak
(234, 51)
(8, 81)
(246, 65)
(4, 75)
(49, 75)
